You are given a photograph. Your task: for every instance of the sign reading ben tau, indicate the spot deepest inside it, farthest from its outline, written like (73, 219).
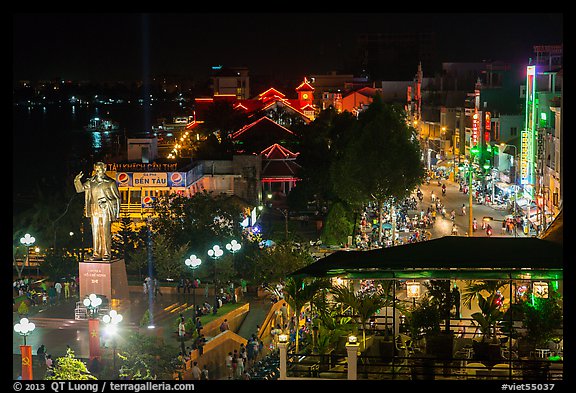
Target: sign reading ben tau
(150, 179)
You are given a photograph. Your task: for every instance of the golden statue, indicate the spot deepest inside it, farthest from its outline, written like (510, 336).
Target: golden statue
(102, 205)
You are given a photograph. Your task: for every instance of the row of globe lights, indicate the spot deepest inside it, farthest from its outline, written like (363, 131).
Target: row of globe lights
(215, 252)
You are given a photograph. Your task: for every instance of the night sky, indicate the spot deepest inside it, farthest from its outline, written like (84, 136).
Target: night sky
(126, 46)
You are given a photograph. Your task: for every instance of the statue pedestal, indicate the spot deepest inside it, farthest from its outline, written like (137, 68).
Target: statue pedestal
(106, 278)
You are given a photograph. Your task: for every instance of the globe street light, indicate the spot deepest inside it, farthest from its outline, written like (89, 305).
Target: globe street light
(112, 320)
(28, 240)
(233, 247)
(215, 252)
(193, 262)
(24, 328)
(92, 302)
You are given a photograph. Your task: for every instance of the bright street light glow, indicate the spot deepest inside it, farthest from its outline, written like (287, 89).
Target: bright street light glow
(193, 261)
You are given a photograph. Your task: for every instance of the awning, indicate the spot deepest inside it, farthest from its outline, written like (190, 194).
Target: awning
(449, 256)
(506, 186)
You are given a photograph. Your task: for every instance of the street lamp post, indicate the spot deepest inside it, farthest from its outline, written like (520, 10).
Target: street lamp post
(112, 320)
(215, 252)
(233, 247)
(92, 302)
(28, 240)
(193, 262)
(24, 328)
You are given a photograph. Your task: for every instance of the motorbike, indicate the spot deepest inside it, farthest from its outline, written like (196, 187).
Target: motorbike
(488, 230)
(474, 225)
(443, 192)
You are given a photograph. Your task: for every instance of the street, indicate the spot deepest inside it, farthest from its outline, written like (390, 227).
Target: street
(454, 200)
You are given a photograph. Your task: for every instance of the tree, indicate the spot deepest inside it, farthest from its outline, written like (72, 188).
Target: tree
(297, 293)
(274, 263)
(58, 264)
(363, 304)
(196, 223)
(69, 368)
(542, 316)
(322, 142)
(168, 261)
(338, 225)
(475, 288)
(146, 357)
(382, 163)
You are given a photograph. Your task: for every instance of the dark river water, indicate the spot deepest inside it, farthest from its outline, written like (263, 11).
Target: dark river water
(50, 143)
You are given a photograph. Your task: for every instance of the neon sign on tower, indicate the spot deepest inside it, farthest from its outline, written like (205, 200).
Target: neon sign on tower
(528, 140)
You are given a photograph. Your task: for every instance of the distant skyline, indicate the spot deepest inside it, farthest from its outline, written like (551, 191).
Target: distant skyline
(126, 46)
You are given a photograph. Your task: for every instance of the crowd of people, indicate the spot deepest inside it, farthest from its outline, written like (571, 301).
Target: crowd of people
(41, 292)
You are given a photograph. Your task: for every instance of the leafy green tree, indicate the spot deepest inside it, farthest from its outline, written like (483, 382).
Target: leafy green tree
(197, 223)
(58, 264)
(168, 261)
(126, 239)
(424, 318)
(274, 263)
(542, 316)
(382, 163)
(69, 368)
(322, 142)
(338, 225)
(146, 357)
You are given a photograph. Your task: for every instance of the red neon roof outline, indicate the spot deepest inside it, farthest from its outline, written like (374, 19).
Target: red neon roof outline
(271, 90)
(248, 126)
(239, 105)
(305, 86)
(275, 150)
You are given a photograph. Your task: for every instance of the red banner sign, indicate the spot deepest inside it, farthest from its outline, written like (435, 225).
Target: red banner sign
(26, 351)
(94, 337)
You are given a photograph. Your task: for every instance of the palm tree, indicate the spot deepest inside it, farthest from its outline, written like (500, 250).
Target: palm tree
(364, 305)
(474, 288)
(297, 293)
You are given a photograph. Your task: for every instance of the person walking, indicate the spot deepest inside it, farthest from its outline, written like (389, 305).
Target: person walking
(196, 372)
(182, 333)
(58, 288)
(41, 354)
(66, 289)
(229, 365)
(204, 376)
(239, 367)
(157, 287)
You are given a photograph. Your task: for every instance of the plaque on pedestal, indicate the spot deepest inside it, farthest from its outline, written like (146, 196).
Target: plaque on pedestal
(106, 278)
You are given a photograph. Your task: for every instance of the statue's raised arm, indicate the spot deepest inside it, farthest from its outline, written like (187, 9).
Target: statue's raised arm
(78, 182)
